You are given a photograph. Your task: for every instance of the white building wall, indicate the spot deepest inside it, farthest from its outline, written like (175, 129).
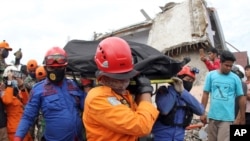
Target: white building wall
(140, 37)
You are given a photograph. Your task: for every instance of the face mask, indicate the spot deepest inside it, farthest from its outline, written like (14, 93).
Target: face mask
(56, 75)
(5, 53)
(32, 75)
(187, 85)
(119, 86)
(14, 83)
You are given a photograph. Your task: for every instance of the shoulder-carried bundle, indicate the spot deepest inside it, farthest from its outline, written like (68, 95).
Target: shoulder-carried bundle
(147, 59)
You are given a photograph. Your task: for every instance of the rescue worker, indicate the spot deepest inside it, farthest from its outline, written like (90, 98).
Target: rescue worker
(110, 112)
(4, 53)
(87, 84)
(3, 117)
(40, 123)
(239, 70)
(40, 73)
(14, 99)
(213, 61)
(30, 80)
(60, 100)
(176, 106)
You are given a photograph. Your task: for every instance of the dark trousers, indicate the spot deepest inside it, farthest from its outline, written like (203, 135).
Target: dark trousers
(247, 116)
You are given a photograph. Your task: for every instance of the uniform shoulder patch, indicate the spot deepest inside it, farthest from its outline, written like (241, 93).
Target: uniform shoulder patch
(114, 101)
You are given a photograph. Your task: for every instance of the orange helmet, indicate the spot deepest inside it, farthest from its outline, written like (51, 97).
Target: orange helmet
(5, 45)
(114, 58)
(32, 65)
(187, 70)
(56, 56)
(40, 73)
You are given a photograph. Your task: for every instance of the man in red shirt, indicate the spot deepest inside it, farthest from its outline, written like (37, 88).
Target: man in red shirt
(213, 61)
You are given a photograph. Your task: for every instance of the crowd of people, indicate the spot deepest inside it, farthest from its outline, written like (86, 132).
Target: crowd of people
(39, 102)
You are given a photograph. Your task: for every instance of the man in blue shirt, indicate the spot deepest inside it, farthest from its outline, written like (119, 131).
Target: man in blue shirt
(222, 86)
(176, 106)
(60, 100)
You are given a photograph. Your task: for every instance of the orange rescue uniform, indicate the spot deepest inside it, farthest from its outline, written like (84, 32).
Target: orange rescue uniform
(14, 109)
(108, 116)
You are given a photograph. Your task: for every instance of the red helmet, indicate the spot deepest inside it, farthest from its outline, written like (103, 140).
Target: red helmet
(187, 70)
(114, 58)
(56, 56)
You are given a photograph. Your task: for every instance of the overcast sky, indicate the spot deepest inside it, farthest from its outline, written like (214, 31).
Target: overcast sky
(36, 25)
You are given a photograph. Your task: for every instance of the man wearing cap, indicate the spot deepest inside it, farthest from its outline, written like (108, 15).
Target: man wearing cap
(30, 80)
(4, 53)
(110, 111)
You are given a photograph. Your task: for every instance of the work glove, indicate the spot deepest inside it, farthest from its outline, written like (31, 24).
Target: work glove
(178, 84)
(143, 85)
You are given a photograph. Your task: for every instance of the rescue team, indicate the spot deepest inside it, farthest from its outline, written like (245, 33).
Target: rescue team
(39, 102)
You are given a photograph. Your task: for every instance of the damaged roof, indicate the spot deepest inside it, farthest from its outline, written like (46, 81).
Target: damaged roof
(131, 29)
(186, 27)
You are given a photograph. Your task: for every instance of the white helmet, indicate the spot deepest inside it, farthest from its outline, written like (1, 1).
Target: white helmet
(8, 69)
(239, 70)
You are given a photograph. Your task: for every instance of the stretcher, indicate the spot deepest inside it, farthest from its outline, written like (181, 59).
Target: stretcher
(155, 81)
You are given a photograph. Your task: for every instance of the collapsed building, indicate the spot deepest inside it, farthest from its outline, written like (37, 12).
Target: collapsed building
(178, 31)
